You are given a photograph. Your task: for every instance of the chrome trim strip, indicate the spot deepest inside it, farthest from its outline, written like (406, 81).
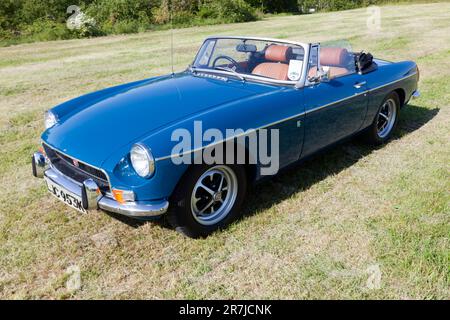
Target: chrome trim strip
(283, 120)
(245, 133)
(335, 102)
(138, 209)
(262, 127)
(392, 82)
(302, 44)
(85, 163)
(302, 82)
(308, 83)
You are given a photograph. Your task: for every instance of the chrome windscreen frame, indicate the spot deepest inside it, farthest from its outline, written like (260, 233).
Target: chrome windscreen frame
(297, 84)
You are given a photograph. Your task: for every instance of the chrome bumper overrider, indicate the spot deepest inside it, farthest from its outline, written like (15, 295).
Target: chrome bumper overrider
(91, 198)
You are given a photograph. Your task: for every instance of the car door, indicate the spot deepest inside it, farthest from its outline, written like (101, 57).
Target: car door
(284, 113)
(334, 109)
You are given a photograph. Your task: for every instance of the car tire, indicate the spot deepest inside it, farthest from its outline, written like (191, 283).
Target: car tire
(385, 121)
(207, 198)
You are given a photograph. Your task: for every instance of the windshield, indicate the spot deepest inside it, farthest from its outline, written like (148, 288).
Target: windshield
(269, 60)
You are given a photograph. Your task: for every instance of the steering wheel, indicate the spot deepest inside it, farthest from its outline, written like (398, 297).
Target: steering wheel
(233, 62)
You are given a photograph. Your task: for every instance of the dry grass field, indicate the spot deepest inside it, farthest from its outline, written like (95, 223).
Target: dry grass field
(329, 228)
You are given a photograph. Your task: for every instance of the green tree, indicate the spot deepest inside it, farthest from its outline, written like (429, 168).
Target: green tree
(9, 17)
(274, 6)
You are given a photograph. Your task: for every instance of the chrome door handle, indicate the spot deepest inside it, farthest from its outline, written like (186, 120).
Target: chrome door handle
(358, 85)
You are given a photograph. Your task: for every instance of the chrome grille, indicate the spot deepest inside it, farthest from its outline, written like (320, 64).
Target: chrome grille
(76, 170)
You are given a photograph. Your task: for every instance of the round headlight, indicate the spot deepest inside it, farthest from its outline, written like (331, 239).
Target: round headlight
(49, 119)
(142, 160)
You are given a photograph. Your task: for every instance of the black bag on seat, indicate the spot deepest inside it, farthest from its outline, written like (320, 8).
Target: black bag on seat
(363, 61)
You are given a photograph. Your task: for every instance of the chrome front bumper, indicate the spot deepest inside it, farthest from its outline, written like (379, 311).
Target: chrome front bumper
(91, 198)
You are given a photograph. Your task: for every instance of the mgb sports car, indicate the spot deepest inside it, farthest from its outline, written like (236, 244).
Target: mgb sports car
(138, 149)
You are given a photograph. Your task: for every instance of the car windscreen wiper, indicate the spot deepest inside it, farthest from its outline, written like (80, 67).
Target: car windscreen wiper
(237, 74)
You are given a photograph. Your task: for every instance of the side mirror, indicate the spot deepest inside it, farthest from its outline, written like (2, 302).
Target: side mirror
(324, 75)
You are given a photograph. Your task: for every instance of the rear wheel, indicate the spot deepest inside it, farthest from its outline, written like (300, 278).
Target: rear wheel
(385, 121)
(207, 198)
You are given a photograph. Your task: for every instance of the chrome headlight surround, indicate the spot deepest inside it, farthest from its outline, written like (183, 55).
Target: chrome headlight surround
(50, 119)
(142, 160)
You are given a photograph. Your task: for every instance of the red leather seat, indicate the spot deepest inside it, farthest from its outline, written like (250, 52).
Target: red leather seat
(334, 71)
(336, 59)
(278, 67)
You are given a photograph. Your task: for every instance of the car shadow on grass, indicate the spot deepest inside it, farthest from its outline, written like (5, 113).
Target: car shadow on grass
(332, 161)
(301, 176)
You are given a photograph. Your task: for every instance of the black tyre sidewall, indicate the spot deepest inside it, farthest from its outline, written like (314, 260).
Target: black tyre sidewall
(372, 133)
(180, 215)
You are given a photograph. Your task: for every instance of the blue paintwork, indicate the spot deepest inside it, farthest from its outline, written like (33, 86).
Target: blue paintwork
(100, 128)
(332, 123)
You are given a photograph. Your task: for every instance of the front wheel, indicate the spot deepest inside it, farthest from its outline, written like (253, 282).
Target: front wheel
(385, 121)
(207, 198)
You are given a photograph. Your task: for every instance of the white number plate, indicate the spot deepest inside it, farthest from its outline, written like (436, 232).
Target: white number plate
(65, 196)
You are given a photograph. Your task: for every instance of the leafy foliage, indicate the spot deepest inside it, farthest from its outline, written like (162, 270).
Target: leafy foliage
(227, 11)
(32, 20)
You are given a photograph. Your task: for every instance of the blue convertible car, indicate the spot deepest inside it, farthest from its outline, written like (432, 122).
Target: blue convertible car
(138, 149)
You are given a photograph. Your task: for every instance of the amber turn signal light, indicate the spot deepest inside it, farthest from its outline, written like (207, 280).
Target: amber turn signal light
(123, 196)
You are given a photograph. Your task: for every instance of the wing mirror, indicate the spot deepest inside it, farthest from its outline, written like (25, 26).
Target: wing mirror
(322, 75)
